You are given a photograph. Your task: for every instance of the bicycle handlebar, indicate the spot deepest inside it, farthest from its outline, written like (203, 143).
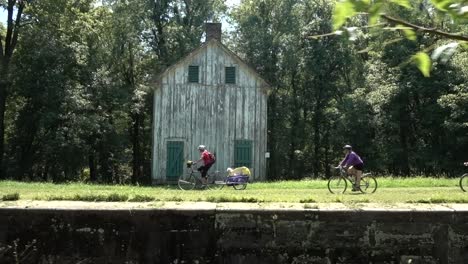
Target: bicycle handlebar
(341, 168)
(190, 163)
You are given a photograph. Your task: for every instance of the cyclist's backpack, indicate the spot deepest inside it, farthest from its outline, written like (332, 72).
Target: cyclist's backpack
(213, 157)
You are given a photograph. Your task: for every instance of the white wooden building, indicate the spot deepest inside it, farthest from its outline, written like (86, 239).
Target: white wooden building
(212, 98)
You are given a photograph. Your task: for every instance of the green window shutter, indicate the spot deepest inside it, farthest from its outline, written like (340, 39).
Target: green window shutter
(193, 74)
(175, 160)
(231, 75)
(243, 153)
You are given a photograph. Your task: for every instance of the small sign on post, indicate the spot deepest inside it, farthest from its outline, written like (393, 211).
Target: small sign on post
(267, 155)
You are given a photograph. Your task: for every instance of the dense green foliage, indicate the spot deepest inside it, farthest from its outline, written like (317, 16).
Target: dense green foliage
(77, 83)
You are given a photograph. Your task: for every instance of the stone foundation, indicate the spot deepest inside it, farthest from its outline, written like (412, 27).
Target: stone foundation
(233, 236)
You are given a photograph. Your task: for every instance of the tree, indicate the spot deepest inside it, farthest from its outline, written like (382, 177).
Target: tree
(306, 75)
(131, 66)
(50, 87)
(8, 42)
(358, 90)
(260, 28)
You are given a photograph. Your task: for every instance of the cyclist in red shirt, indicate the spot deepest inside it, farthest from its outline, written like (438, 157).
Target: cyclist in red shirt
(208, 161)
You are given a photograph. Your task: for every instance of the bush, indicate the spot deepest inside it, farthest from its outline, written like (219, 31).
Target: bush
(310, 206)
(113, 197)
(142, 198)
(308, 200)
(175, 199)
(11, 197)
(225, 199)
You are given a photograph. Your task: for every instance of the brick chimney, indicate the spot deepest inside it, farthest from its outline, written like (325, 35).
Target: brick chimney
(213, 31)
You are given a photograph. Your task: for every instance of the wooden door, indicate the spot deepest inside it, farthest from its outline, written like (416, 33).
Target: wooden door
(175, 160)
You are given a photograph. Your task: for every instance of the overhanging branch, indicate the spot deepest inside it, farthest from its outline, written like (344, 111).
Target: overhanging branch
(339, 32)
(423, 29)
(9, 32)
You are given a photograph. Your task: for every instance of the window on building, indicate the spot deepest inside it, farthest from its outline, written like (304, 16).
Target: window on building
(243, 153)
(193, 74)
(231, 75)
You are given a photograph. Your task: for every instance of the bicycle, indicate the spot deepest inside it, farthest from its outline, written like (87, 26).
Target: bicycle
(464, 180)
(193, 179)
(339, 183)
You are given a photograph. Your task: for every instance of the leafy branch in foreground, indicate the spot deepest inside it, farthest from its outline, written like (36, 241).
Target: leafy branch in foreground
(456, 10)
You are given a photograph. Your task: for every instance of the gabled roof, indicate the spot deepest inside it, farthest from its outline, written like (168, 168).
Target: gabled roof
(225, 49)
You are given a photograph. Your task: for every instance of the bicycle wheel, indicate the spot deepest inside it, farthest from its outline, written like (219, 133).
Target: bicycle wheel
(368, 184)
(240, 186)
(187, 182)
(337, 184)
(464, 182)
(215, 182)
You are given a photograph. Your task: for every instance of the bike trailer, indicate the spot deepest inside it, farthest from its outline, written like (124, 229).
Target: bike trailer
(238, 176)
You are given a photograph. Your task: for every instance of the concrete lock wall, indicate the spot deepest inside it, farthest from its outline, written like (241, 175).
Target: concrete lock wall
(232, 236)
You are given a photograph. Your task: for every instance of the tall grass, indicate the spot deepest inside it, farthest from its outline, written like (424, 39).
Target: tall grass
(385, 182)
(391, 190)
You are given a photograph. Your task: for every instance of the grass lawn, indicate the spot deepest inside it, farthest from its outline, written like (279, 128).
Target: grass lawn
(391, 190)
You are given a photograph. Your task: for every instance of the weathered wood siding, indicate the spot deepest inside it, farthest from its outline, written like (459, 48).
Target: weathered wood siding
(210, 112)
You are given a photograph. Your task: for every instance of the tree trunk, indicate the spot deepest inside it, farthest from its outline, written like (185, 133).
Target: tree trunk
(55, 172)
(147, 147)
(3, 95)
(136, 163)
(294, 130)
(92, 166)
(317, 119)
(25, 160)
(45, 173)
(272, 139)
(105, 168)
(27, 132)
(4, 85)
(404, 159)
(316, 124)
(7, 47)
(326, 143)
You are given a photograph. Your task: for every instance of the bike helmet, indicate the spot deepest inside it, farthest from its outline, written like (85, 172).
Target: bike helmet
(201, 147)
(348, 147)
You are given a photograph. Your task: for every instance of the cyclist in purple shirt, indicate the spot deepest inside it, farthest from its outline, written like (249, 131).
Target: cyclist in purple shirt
(353, 165)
